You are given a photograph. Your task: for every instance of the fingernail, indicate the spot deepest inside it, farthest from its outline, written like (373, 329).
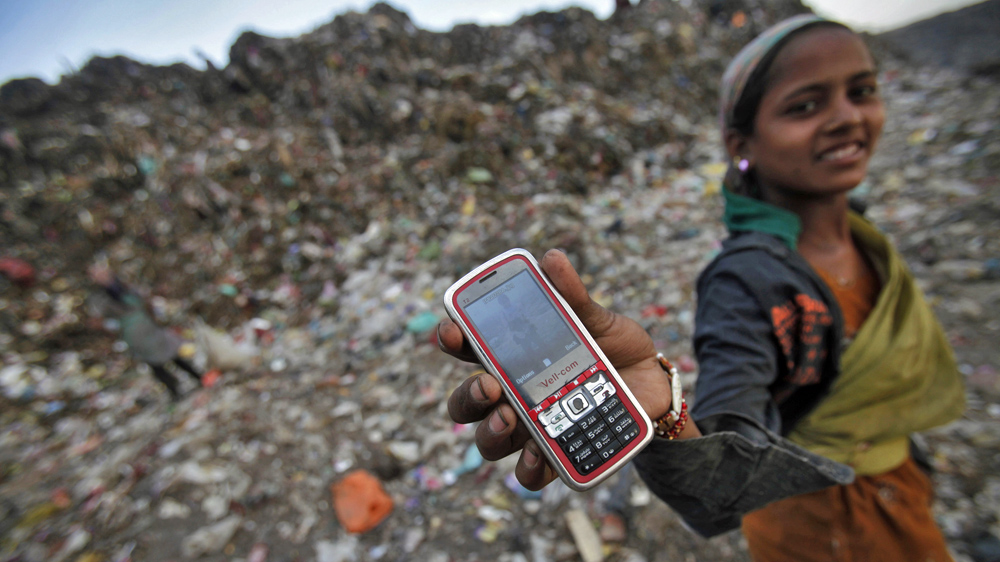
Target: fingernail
(497, 423)
(477, 391)
(439, 326)
(530, 455)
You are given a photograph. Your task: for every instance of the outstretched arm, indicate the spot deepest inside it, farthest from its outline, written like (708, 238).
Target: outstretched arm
(626, 344)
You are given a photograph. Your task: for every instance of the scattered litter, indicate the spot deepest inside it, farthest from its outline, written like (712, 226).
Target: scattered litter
(298, 214)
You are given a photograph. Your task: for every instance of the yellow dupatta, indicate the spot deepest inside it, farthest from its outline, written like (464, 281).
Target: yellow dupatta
(897, 377)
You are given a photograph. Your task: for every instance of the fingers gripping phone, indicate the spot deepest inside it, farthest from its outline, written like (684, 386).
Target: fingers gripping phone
(557, 379)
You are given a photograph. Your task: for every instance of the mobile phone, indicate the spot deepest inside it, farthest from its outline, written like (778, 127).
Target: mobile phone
(557, 379)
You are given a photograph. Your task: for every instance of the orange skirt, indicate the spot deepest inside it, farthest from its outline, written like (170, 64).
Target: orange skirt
(881, 518)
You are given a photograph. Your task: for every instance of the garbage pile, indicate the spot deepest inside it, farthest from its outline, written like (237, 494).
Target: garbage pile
(297, 216)
(964, 39)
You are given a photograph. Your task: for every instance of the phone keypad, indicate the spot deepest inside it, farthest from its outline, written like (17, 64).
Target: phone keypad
(590, 423)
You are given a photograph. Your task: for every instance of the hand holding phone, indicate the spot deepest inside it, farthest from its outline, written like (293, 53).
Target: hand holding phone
(506, 428)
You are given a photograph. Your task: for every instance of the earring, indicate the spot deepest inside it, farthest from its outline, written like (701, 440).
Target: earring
(743, 165)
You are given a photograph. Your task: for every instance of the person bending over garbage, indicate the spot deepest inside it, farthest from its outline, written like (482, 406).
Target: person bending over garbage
(148, 342)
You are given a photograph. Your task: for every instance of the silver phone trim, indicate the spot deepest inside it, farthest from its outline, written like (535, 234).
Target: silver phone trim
(512, 395)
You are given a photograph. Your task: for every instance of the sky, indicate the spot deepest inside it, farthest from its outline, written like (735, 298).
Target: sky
(48, 38)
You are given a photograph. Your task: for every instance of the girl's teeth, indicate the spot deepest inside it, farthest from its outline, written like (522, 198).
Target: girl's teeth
(841, 153)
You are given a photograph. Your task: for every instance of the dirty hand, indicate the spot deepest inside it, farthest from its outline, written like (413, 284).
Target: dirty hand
(626, 344)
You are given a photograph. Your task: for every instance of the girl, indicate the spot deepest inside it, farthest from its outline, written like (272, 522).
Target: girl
(818, 354)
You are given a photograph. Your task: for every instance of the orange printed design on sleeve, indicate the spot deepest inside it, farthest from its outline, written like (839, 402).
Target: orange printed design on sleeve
(799, 326)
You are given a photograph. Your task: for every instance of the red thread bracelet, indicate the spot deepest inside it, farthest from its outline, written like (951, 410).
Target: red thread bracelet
(678, 427)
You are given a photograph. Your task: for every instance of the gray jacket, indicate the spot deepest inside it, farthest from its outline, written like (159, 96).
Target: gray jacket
(753, 386)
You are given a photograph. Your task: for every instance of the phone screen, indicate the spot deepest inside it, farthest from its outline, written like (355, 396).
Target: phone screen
(535, 346)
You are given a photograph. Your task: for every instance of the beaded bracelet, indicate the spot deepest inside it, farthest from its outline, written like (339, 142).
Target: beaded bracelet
(673, 422)
(678, 426)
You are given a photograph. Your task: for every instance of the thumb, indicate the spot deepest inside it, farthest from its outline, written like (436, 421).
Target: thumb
(560, 271)
(624, 341)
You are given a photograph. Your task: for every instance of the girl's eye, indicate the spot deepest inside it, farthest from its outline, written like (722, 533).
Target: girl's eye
(802, 107)
(865, 91)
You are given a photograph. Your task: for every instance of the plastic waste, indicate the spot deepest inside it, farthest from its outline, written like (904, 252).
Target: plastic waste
(19, 272)
(423, 322)
(258, 553)
(471, 460)
(588, 543)
(209, 378)
(222, 351)
(212, 538)
(344, 550)
(360, 501)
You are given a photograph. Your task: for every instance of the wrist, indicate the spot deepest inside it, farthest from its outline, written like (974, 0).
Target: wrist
(672, 424)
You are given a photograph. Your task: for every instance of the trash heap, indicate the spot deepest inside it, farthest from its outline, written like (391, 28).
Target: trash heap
(298, 214)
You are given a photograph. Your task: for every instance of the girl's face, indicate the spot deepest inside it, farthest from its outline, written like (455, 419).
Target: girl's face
(820, 117)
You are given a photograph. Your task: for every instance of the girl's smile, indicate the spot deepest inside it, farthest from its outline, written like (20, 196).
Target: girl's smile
(843, 154)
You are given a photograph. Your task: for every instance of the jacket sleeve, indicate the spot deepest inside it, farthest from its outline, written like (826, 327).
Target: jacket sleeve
(741, 463)
(712, 481)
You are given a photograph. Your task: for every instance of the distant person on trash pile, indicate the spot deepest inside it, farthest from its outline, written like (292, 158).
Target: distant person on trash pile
(148, 342)
(819, 356)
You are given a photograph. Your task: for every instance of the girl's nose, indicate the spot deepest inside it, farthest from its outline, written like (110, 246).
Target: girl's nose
(844, 113)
